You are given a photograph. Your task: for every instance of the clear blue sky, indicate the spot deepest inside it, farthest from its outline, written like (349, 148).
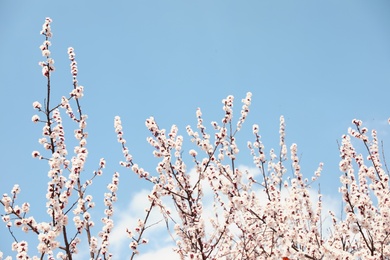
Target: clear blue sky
(318, 63)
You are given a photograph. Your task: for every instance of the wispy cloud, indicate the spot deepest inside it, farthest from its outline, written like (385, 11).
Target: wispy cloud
(163, 253)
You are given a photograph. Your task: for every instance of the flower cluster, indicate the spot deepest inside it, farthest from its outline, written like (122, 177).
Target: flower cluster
(66, 188)
(245, 109)
(47, 66)
(138, 230)
(73, 64)
(108, 222)
(78, 91)
(118, 130)
(365, 191)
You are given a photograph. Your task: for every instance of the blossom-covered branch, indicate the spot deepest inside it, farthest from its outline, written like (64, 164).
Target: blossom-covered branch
(214, 207)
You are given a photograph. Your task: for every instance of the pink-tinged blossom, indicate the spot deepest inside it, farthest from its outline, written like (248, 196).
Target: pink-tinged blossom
(37, 105)
(78, 92)
(193, 153)
(73, 65)
(25, 207)
(102, 163)
(35, 154)
(47, 66)
(46, 53)
(244, 110)
(357, 122)
(16, 189)
(46, 27)
(133, 245)
(35, 118)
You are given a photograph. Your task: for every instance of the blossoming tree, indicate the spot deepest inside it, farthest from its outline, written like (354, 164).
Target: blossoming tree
(272, 213)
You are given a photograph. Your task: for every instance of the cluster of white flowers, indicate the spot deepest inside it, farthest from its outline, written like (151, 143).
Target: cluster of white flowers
(20, 221)
(245, 109)
(21, 248)
(78, 91)
(38, 106)
(364, 232)
(228, 108)
(47, 66)
(204, 141)
(73, 65)
(259, 158)
(118, 130)
(108, 222)
(139, 229)
(283, 147)
(46, 30)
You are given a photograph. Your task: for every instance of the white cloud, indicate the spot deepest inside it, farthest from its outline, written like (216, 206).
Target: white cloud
(164, 253)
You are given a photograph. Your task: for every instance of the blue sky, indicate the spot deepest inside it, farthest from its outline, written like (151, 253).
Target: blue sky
(318, 63)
